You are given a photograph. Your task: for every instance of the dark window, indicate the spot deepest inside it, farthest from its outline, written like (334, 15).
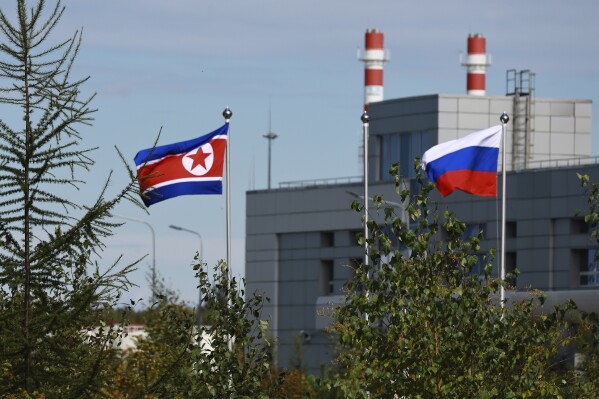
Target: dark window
(327, 277)
(327, 239)
(578, 226)
(472, 229)
(389, 150)
(589, 267)
(406, 161)
(353, 236)
(402, 148)
(510, 230)
(355, 263)
(479, 267)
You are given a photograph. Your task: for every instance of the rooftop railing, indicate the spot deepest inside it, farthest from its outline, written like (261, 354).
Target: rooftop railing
(544, 164)
(321, 182)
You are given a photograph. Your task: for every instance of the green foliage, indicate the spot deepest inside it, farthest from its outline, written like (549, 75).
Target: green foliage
(235, 360)
(418, 323)
(52, 293)
(591, 216)
(160, 366)
(293, 384)
(584, 380)
(229, 357)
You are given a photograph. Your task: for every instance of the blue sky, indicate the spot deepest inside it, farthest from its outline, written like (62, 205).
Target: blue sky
(177, 64)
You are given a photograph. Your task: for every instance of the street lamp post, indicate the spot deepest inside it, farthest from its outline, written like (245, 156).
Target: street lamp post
(270, 136)
(192, 232)
(405, 218)
(201, 259)
(153, 250)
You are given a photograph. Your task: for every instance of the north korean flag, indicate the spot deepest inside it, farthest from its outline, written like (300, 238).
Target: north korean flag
(185, 168)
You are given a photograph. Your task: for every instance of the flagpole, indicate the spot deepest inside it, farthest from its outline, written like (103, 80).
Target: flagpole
(227, 114)
(365, 119)
(504, 118)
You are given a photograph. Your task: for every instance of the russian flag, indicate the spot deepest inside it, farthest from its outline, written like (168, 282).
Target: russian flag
(468, 164)
(185, 168)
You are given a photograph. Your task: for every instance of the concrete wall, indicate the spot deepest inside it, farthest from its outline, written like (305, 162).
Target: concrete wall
(289, 234)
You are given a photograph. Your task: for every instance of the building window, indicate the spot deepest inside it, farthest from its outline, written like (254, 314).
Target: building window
(578, 226)
(389, 150)
(327, 277)
(354, 235)
(327, 239)
(406, 160)
(589, 268)
(479, 267)
(510, 229)
(355, 263)
(402, 148)
(472, 230)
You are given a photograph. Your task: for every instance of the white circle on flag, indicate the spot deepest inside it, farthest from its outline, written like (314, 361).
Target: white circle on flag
(199, 161)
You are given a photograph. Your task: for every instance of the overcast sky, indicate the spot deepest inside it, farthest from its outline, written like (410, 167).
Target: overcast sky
(177, 64)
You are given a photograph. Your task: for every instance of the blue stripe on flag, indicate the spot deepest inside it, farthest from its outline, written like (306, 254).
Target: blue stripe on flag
(481, 159)
(181, 147)
(151, 197)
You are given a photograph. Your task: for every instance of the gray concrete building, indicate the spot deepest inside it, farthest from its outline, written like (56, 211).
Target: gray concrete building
(300, 238)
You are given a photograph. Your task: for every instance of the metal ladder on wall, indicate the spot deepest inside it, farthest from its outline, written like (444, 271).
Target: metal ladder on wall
(520, 85)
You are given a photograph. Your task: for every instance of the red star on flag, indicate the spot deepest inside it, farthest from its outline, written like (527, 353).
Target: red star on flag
(199, 158)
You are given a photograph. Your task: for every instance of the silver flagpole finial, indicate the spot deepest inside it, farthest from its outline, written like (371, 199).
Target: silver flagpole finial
(504, 118)
(227, 114)
(365, 118)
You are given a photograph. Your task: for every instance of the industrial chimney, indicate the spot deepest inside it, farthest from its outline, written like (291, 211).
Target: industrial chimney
(477, 61)
(374, 57)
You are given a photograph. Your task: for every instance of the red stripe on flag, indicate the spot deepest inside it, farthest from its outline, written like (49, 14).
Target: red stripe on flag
(477, 183)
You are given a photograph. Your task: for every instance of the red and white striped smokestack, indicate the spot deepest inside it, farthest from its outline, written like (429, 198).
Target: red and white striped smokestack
(477, 62)
(374, 57)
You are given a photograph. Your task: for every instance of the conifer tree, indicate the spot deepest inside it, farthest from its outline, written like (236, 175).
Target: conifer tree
(52, 290)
